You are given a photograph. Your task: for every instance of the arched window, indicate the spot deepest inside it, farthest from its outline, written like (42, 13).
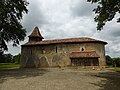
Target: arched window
(82, 49)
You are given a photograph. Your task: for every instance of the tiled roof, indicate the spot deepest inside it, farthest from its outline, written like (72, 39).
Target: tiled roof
(84, 54)
(70, 40)
(36, 33)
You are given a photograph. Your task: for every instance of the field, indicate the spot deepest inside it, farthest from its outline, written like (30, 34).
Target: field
(116, 68)
(8, 65)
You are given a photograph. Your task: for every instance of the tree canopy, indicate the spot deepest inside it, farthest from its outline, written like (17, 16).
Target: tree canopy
(6, 58)
(105, 11)
(11, 13)
(113, 61)
(109, 60)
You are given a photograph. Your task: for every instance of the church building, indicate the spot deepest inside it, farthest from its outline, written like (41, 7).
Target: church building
(81, 51)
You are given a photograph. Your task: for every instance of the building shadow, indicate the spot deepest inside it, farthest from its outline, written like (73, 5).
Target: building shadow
(110, 80)
(21, 73)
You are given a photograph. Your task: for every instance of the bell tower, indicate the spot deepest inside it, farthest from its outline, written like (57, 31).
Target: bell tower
(35, 35)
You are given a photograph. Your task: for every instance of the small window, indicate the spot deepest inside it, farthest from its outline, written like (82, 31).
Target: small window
(82, 49)
(56, 49)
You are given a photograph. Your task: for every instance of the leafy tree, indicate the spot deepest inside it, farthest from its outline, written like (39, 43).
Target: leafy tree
(109, 60)
(116, 62)
(6, 58)
(11, 12)
(105, 11)
(1, 58)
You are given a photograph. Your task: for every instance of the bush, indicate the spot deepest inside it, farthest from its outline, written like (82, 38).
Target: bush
(116, 62)
(109, 60)
(6, 58)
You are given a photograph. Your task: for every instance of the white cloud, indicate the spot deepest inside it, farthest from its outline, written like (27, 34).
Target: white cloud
(82, 8)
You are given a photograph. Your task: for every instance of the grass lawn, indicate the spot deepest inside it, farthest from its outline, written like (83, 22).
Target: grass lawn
(114, 68)
(8, 65)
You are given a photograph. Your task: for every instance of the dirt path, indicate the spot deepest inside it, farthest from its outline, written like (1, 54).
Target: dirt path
(58, 79)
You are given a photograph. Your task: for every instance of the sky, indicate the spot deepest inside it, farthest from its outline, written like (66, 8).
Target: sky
(58, 19)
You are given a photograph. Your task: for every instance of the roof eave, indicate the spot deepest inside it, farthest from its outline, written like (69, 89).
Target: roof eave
(83, 57)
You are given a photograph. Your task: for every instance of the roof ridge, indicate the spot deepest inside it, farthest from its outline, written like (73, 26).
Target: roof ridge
(68, 40)
(71, 38)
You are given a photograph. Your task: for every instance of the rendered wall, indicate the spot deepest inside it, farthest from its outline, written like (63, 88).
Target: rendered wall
(57, 54)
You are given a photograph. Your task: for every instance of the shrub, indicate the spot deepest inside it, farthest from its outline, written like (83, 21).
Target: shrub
(6, 58)
(109, 60)
(116, 62)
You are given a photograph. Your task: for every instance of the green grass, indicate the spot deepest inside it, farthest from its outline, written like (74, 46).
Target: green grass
(8, 65)
(114, 68)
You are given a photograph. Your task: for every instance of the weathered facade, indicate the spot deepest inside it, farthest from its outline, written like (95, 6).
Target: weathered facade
(62, 52)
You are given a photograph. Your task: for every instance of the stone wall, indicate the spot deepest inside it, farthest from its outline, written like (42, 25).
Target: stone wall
(57, 54)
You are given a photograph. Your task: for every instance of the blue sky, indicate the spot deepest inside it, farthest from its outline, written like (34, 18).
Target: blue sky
(68, 19)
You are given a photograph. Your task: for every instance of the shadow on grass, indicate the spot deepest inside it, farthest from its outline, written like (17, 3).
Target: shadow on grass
(111, 80)
(21, 73)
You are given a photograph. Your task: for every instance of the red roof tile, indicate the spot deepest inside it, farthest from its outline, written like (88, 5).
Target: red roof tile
(84, 54)
(36, 33)
(70, 40)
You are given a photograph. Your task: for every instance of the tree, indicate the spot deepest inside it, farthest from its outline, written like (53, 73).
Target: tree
(2, 58)
(109, 60)
(105, 11)
(11, 13)
(116, 62)
(6, 58)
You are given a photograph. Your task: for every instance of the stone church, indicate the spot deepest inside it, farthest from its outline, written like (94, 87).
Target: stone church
(82, 51)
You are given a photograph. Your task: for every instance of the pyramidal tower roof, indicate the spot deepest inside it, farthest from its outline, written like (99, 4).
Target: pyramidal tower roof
(36, 33)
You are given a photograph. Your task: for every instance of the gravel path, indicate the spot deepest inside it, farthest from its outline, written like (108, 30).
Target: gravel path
(58, 79)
